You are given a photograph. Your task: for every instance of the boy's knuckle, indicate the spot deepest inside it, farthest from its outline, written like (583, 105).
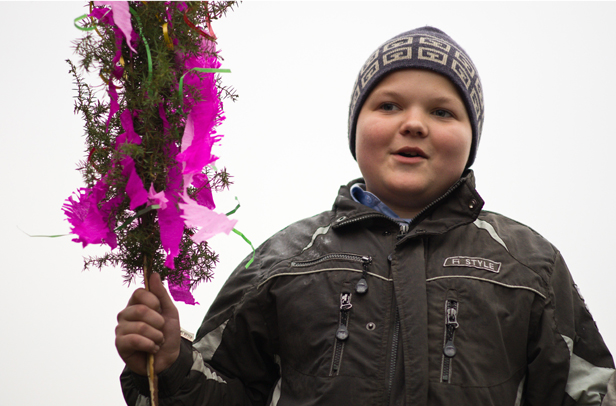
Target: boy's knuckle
(141, 311)
(142, 328)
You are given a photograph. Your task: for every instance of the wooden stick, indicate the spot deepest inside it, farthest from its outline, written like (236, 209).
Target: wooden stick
(152, 377)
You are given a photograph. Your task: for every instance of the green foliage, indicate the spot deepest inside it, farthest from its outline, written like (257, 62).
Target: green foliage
(143, 91)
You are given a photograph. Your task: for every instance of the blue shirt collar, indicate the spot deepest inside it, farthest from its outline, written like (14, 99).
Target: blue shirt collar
(371, 200)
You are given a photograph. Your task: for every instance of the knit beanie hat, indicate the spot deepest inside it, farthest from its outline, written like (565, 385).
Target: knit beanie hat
(422, 48)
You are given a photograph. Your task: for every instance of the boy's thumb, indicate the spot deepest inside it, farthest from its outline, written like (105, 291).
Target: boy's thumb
(157, 287)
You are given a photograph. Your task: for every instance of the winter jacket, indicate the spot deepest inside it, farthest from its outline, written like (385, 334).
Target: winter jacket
(462, 307)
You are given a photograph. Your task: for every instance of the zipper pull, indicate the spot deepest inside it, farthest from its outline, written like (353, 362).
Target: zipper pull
(404, 228)
(452, 324)
(345, 305)
(345, 302)
(362, 284)
(450, 350)
(342, 333)
(452, 317)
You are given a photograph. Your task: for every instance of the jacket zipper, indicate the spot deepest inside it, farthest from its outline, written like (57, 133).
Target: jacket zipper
(404, 228)
(362, 284)
(449, 349)
(394, 354)
(342, 333)
(343, 221)
(401, 236)
(441, 197)
(350, 257)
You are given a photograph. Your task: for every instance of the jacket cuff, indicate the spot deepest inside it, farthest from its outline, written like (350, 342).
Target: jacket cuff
(170, 380)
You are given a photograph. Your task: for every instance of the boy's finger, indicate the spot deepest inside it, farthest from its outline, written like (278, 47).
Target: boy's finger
(142, 296)
(142, 313)
(157, 287)
(142, 330)
(127, 345)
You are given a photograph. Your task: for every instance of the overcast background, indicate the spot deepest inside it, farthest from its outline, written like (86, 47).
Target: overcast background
(546, 157)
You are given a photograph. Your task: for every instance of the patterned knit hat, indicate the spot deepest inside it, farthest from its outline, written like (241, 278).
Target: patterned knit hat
(423, 48)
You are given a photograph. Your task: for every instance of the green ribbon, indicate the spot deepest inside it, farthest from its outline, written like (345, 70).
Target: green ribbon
(46, 236)
(242, 235)
(138, 214)
(234, 210)
(204, 70)
(249, 243)
(139, 26)
(82, 17)
(118, 228)
(145, 42)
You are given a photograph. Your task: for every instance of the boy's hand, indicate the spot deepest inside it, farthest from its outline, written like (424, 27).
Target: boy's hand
(149, 324)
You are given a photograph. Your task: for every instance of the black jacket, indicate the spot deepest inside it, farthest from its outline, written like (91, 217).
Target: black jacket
(464, 307)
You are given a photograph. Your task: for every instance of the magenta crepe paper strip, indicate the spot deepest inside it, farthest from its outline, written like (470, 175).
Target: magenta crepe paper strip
(121, 17)
(171, 231)
(130, 136)
(205, 114)
(88, 222)
(169, 220)
(163, 116)
(113, 102)
(157, 198)
(106, 16)
(103, 15)
(107, 210)
(204, 196)
(134, 187)
(210, 222)
(199, 153)
(180, 292)
(188, 136)
(197, 142)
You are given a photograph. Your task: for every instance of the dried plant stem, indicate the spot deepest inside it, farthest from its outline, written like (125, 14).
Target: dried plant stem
(152, 377)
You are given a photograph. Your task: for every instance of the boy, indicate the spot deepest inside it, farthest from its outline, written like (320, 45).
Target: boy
(405, 293)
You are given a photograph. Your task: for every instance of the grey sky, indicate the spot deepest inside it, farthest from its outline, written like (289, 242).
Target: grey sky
(545, 158)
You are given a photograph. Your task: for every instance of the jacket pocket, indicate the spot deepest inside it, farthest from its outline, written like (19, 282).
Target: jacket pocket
(452, 307)
(342, 332)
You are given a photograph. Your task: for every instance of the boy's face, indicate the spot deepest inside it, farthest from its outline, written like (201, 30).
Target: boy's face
(413, 139)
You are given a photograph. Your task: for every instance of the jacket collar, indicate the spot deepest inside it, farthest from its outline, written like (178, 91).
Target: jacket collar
(461, 204)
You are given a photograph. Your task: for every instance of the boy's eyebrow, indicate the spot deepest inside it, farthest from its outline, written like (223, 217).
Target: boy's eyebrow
(381, 92)
(447, 99)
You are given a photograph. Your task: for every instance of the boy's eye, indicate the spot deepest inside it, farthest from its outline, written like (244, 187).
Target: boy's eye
(388, 107)
(442, 113)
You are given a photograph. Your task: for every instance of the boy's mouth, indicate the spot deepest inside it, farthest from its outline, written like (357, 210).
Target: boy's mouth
(410, 152)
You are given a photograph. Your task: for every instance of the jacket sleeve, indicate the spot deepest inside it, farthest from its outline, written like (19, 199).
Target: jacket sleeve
(231, 361)
(569, 363)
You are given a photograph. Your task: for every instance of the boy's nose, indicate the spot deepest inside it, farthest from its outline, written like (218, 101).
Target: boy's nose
(414, 125)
